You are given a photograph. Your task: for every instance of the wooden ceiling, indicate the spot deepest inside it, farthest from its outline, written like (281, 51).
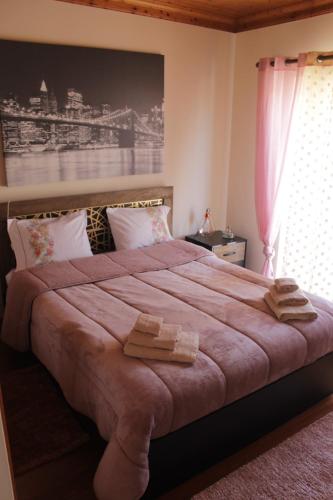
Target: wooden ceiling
(225, 15)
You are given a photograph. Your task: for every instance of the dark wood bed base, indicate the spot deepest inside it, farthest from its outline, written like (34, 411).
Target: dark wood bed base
(184, 453)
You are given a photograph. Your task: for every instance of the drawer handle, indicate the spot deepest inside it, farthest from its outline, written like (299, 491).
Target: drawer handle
(229, 253)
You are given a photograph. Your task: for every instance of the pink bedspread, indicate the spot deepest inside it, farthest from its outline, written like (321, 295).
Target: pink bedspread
(82, 311)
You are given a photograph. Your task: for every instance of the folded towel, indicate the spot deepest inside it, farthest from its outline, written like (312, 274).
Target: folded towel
(185, 351)
(286, 313)
(146, 323)
(166, 339)
(296, 298)
(286, 285)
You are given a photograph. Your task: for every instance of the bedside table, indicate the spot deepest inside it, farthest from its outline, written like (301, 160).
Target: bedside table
(233, 250)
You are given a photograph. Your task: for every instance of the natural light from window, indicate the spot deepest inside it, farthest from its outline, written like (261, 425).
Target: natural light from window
(306, 238)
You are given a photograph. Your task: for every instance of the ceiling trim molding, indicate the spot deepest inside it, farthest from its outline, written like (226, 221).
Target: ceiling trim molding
(209, 16)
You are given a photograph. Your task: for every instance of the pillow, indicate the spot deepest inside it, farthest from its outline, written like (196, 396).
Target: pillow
(38, 241)
(138, 227)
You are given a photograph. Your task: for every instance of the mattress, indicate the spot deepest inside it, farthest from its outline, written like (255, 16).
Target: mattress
(79, 327)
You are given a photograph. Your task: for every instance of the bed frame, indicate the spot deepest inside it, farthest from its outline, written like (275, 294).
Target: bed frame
(216, 436)
(211, 439)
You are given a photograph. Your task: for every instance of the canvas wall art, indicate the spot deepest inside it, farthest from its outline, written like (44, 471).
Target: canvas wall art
(70, 113)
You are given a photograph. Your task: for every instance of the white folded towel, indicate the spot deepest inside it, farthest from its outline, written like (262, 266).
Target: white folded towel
(147, 323)
(286, 313)
(296, 298)
(185, 351)
(166, 339)
(285, 285)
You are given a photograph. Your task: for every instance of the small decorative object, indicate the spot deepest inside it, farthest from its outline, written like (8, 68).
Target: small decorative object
(207, 226)
(228, 233)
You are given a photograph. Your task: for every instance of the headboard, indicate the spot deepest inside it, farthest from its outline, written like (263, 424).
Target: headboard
(96, 203)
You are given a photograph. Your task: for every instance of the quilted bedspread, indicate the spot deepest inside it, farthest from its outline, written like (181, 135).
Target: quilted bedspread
(76, 316)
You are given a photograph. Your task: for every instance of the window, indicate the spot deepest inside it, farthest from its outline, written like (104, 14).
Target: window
(306, 237)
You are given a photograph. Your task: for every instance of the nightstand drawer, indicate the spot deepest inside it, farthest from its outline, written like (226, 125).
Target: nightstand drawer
(232, 252)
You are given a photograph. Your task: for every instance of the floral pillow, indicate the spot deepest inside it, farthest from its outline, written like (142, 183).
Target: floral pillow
(39, 241)
(139, 227)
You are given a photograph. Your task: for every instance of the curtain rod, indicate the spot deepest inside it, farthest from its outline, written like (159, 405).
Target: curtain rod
(320, 58)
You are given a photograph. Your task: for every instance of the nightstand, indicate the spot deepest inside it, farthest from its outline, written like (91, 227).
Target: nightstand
(233, 250)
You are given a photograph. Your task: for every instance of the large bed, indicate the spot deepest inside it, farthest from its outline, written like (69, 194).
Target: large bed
(168, 419)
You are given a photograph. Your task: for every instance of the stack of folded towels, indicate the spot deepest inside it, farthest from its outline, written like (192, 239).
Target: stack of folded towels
(288, 302)
(151, 338)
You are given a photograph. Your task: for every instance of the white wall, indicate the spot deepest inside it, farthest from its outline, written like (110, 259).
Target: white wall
(205, 74)
(286, 39)
(198, 96)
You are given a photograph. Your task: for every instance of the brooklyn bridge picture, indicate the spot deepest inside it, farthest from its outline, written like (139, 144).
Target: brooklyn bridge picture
(70, 113)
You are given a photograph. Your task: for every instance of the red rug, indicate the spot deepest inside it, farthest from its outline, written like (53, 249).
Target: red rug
(300, 468)
(41, 425)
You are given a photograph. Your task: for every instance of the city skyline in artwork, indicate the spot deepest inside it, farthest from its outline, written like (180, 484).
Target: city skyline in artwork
(72, 113)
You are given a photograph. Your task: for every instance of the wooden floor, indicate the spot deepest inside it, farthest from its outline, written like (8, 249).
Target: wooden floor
(70, 478)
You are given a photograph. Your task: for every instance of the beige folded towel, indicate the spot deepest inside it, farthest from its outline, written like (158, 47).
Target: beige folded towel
(185, 351)
(286, 313)
(296, 298)
(166, 339)
(147, 323)
(286, 285)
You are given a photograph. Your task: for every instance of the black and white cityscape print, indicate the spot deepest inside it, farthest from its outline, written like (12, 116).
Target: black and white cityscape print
(70, 113)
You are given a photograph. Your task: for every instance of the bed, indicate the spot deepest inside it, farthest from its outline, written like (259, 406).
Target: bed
(164, 420)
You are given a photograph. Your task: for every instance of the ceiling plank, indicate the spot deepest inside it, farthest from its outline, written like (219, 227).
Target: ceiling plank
(225, 15)
(163, 10)
(284, 14)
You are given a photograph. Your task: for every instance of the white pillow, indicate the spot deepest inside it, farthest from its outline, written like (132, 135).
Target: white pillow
(38, 241)
(138, 227)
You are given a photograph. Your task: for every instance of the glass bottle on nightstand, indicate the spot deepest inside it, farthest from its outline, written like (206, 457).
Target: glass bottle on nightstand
(207, 225)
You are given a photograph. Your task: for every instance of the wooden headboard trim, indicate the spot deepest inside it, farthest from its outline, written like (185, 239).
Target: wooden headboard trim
(72, 202)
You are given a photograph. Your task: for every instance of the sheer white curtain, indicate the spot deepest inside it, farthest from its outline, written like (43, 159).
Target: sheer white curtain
(278, 88)
(306, 236)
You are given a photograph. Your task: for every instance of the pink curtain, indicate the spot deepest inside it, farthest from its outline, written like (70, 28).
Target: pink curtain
(278, 87)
